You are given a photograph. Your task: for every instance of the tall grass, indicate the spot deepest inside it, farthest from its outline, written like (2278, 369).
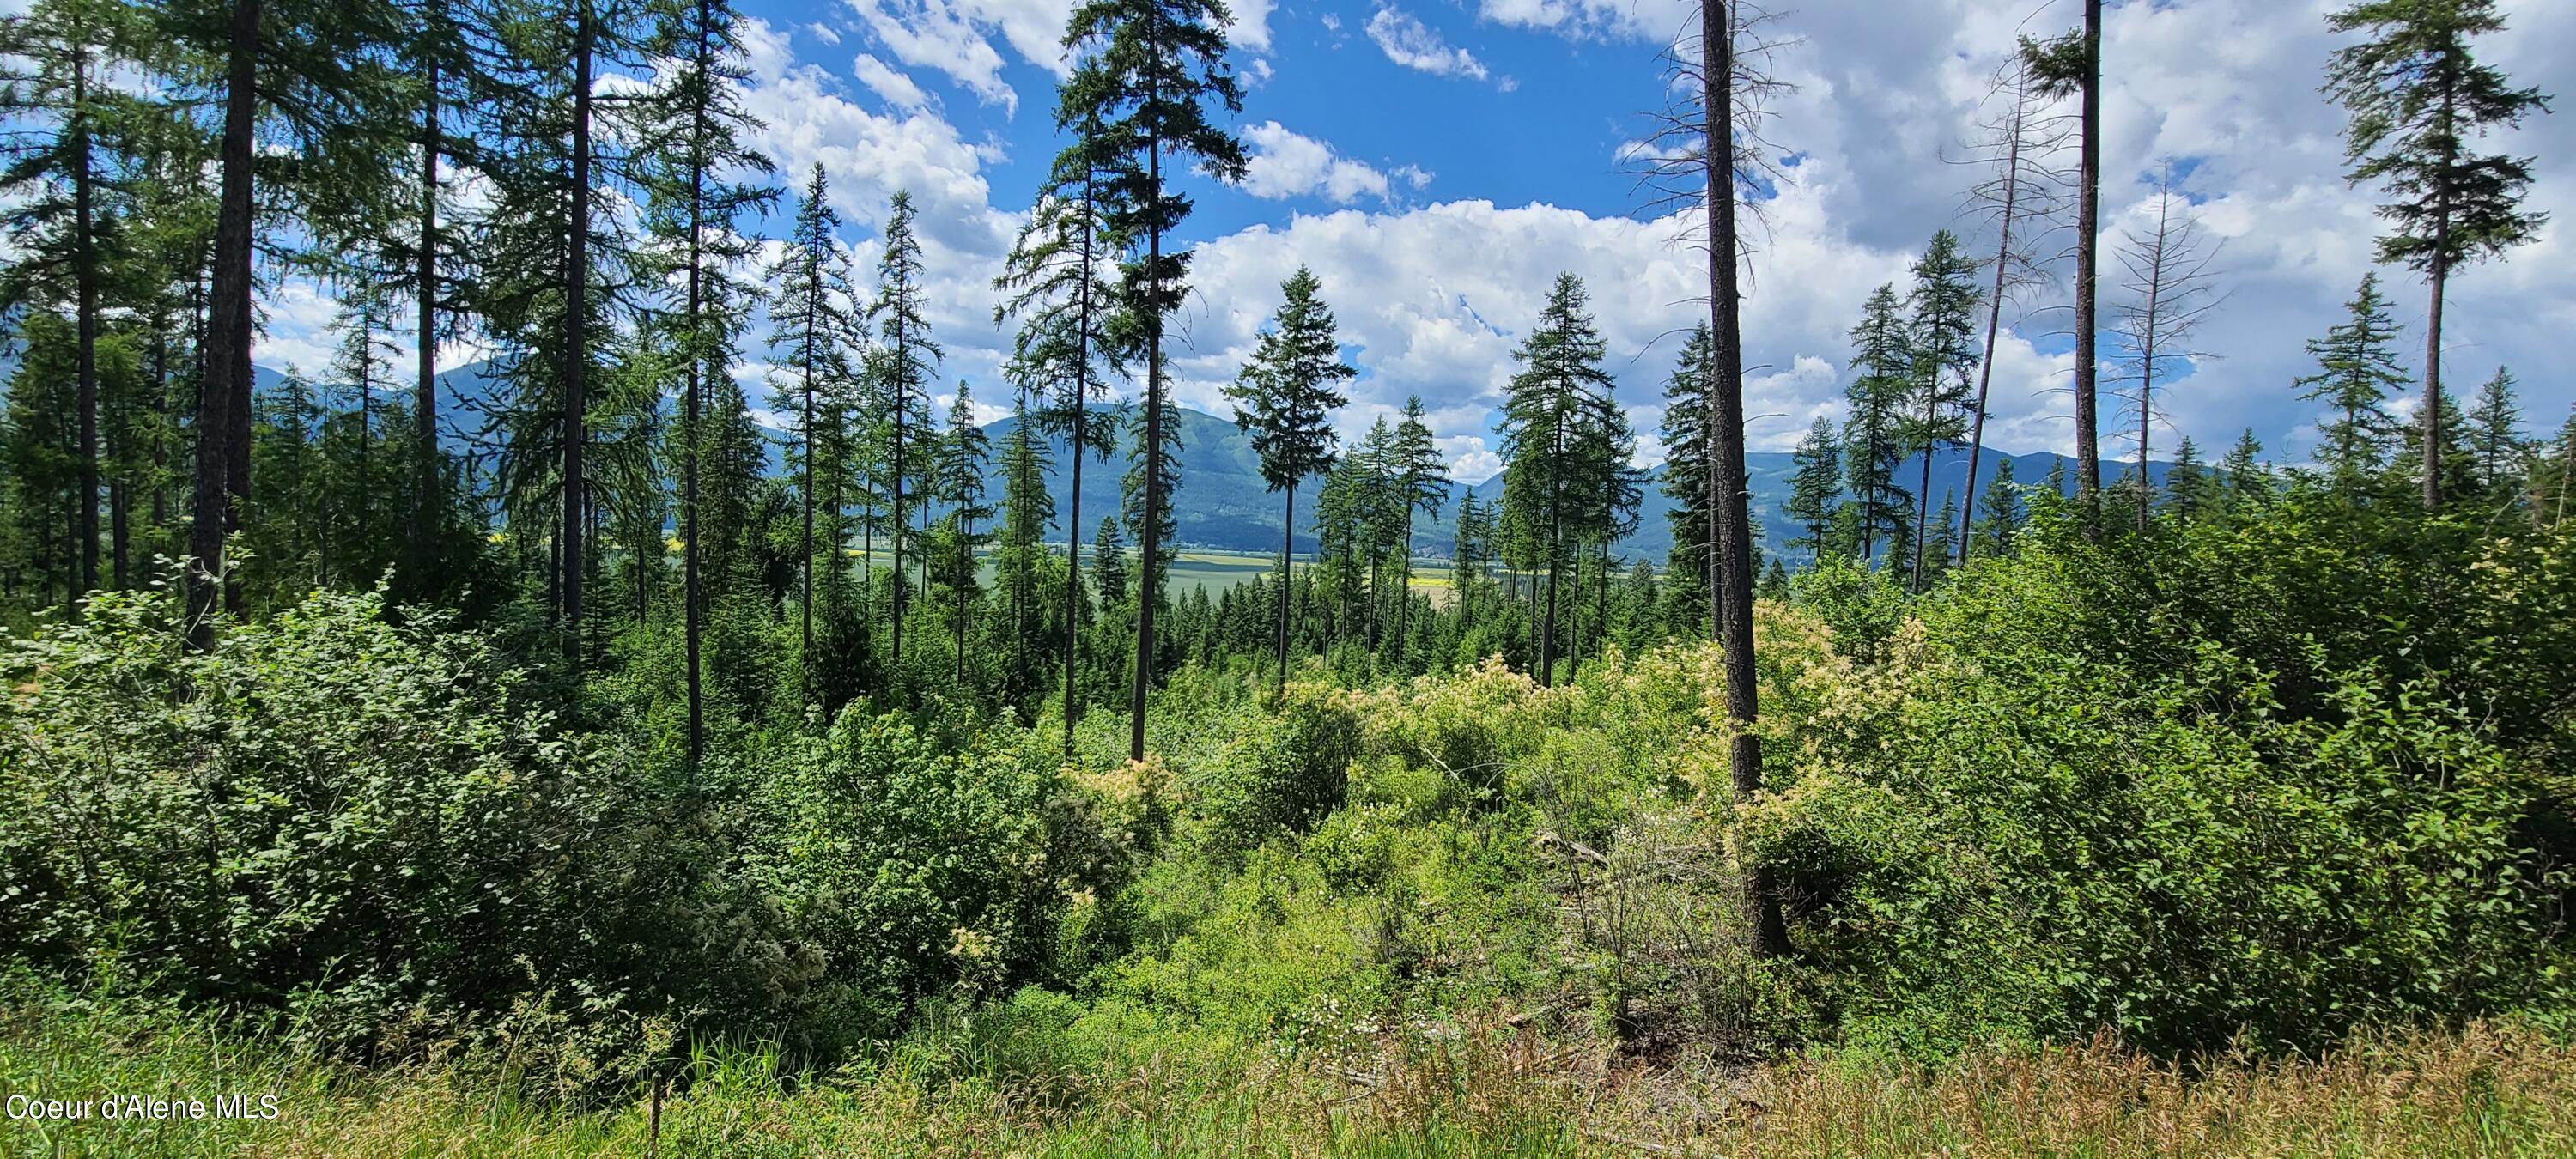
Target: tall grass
(1489, 1088)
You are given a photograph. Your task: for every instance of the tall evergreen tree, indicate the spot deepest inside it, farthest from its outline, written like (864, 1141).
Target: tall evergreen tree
(1284, 400)
(1942, 338)
(699, 179)
(1422, 484)
(1559, 393)
(1146, 70)
(2496, 445)
(1685, 436)
(2001, 516)
(2356, 369)
(901, 367)
(63, 166)
(306, 74)
(1874, 421)
(2418, 95)
(1815, 483)
(962, 454)
(1057, 276)
(812, 331)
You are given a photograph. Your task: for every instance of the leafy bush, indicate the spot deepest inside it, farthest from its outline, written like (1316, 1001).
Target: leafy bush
(325, 815)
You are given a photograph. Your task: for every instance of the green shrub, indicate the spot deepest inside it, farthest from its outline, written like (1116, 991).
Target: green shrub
(1290, 771)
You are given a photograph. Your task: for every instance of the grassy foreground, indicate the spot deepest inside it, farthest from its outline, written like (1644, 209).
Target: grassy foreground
(2487, 1090)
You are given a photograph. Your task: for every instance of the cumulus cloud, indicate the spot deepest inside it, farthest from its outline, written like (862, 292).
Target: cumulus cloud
(1284, 163)
(894, 87)
(1415, 45)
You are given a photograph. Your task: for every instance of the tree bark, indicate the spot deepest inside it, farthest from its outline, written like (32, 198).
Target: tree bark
(577, 341)
(1994, 323)
(1287, 540)
(223, 395)
(1148, 586)
(1770, 934)
(2088, 227)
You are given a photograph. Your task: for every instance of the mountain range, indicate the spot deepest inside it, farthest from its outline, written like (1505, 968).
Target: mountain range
(1222, 503)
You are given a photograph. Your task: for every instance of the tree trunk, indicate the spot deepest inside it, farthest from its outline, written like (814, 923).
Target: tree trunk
(426, 507)
(1147, 586)
(1287, 539)
(1770, 934)
(577, 341)
(85, 273)
(693, 444)
(2088, 227)
(223, 395)
(1994, 324)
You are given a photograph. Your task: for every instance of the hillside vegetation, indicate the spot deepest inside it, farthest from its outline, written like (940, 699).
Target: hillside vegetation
(2294, 785)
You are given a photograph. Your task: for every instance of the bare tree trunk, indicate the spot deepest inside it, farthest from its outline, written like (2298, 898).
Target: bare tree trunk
(2088, 227)
(1994, 322)
(1770, 934)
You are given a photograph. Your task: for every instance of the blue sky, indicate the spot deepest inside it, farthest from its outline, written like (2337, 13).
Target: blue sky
(1438, 161)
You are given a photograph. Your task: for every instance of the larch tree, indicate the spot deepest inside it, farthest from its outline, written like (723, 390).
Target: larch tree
(1058, 278)
(961, 456)
(901, 366)
(812, 334)
(1147, 71)
(699, 177)
(311, 77)
(1942, 339)
(2418, 96)
(1284, 400)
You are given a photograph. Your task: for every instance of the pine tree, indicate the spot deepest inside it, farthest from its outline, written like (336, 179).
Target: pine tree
(1422, 482)
(959, 485)
(901, 366)
(1942, 338)
(699, 178)
(2496, 446)
(812, 330)
(309, 69)
(1684, 433)
(1057, 276)
(2355, 370)
(1284, 399)
(1559, 393)
(2000, 517)
(2417, 95)
(1873, 429)
(1145, 70)
(2168, 296)
(1815, 483)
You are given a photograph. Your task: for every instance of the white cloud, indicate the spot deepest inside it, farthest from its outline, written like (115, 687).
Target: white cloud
(1415, 45)
(824, 32)
(955, 37)
(1288, 164)
(896, 88)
